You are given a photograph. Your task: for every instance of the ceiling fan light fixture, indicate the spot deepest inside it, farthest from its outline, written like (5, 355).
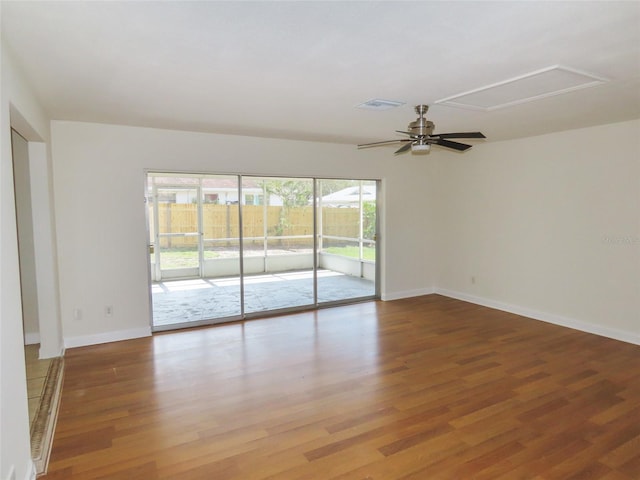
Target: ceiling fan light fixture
(420, 148)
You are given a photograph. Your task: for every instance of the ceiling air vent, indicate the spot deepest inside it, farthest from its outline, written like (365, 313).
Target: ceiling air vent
(525, 88)
(379, 104)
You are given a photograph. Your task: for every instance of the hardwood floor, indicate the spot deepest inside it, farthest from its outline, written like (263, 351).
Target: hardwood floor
(423, 388)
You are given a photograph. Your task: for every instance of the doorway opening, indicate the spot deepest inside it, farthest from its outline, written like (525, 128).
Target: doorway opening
(43, 375)
(228, 247)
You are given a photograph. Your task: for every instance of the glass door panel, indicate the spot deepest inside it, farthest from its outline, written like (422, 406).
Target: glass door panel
(195, 260)
(178, 232)
(346, 239)
(277, 220)
(221, 247)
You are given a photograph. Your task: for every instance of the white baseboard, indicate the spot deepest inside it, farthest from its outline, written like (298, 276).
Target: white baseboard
(407, 294)
(616, 334)
(95, 339)
(31, 338)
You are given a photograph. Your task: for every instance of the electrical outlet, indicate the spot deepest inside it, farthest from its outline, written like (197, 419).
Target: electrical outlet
(108, 311)
(77, 314)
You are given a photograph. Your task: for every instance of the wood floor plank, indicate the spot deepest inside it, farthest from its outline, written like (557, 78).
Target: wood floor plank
(421, 388)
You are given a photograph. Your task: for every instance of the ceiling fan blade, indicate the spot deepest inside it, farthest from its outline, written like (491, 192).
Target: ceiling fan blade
(406, 133)
(455, 145)
(386, 142)
(403, 148)
(460, 135)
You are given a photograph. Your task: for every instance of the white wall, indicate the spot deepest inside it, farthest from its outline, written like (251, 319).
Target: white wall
(101, 225)
(44, 245)
(20, 109)
(24, 219)
(548, 226)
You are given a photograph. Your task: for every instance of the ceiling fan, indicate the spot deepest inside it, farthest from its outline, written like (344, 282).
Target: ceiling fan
(421, 136)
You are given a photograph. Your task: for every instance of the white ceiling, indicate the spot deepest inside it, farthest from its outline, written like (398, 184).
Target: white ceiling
(297, 69)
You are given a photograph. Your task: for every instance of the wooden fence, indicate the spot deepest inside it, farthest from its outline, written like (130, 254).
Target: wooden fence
(222, 222)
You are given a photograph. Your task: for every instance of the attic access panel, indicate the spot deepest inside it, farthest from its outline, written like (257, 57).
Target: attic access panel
(532, 86)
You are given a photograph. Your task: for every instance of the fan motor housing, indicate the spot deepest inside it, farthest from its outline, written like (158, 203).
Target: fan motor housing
(421, 127)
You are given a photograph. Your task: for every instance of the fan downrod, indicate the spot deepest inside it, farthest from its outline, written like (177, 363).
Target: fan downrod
(421, 109)
(421, 127)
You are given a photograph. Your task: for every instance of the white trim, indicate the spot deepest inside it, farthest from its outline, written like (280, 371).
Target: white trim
(31, 471)
(60, 353)
(616, 334)
(407, 294)
(84, 340)
(32, 338)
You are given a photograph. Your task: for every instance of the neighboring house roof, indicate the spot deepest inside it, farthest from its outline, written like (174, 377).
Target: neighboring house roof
(351, 195)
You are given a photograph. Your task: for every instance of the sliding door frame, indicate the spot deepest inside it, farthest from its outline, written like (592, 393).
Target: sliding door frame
(316, 218)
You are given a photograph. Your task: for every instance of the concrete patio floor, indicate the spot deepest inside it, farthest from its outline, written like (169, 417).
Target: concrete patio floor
(184, 301)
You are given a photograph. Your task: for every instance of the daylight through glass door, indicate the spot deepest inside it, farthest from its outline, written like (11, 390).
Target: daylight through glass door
(227, 247)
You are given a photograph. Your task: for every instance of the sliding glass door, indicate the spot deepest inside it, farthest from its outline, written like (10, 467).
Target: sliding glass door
(195, 249)
(221, 263)
(278, 264)
(346, 246)
(227, 247)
